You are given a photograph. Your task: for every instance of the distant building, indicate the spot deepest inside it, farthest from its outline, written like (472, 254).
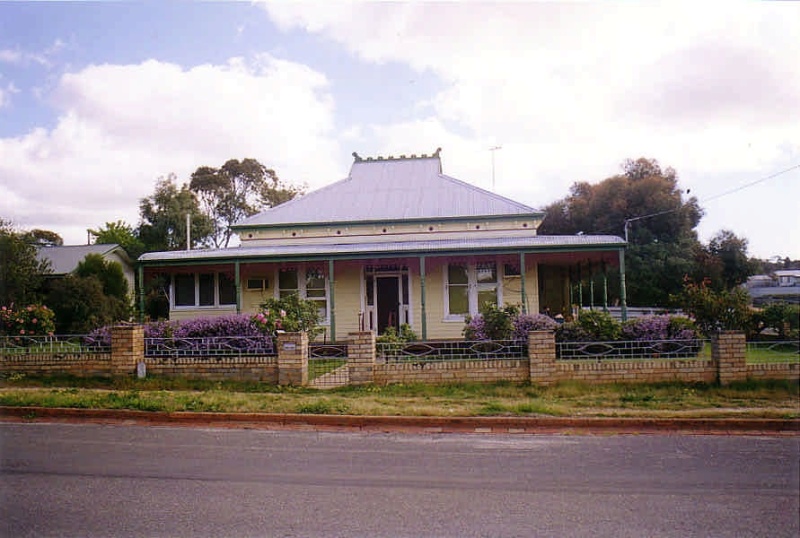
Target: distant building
(64, 260)
(779, 287)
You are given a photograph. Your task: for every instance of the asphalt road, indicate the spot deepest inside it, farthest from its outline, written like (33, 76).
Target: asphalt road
(94, 480)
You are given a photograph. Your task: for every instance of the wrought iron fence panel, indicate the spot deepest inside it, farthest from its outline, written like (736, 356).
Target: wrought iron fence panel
(53, 344)
(773, 351)
(630, 349)
(327, 351)
(210, 346)
(446, 350)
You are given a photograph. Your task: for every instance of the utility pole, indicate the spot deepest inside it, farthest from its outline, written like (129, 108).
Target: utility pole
(493, 149)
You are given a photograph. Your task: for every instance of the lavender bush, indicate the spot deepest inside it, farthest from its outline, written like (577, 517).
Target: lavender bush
(661, 327)
(525, 323)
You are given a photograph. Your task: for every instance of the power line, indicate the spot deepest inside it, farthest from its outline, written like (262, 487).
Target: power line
(756, 182)
(716, 196)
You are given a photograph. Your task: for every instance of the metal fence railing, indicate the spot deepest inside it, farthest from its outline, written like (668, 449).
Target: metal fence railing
(53, 344)
(445, 350)
(210, 346)
(632, 349)
(773, 351)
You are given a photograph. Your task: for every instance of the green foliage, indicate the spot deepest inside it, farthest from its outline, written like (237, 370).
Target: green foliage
(21, 273)
(163, 218)
(599, 325)
(115, 286)
(121, 234)
(712, 310)
(33, 320)
(237, 190)
(289, 314)
(783, 319)
(392, 336)
(80, 305)
(494, 323)
(725, 261)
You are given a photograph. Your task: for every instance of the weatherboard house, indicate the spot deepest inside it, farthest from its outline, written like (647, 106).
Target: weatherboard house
(396, 241)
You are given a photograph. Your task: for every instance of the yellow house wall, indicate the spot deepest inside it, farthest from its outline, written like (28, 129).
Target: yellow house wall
(347, 299)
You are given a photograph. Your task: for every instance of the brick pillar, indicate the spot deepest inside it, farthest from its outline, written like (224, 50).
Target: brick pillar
(542, 354)
(293, 359)
(127, 348)
(728, 354)
(361, 357)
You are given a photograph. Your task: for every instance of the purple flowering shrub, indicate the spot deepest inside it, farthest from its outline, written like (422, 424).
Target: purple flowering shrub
(505, 324)
(662, 327)
(194, 334)
(525, 323)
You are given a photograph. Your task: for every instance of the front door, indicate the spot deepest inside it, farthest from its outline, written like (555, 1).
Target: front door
(387, 291)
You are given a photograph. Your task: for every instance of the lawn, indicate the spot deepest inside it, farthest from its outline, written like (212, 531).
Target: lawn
(772, 399)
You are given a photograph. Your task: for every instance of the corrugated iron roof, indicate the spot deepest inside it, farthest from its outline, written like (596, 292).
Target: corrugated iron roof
(65, 259)
(471, 245)
(390, 190)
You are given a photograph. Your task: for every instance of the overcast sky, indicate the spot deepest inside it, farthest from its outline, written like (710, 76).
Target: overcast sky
(98, 100)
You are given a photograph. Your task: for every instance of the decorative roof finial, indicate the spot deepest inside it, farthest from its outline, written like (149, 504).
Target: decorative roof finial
(436, 153)
(357, 157)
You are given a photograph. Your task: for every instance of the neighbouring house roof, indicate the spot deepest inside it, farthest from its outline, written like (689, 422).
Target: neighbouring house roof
(541, 243)
(788, 272)
(390, 189)
(64, 260)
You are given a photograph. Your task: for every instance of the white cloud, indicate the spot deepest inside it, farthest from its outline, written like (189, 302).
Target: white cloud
(6, 92)
(23, 57)
(123, 126)
(571, 90)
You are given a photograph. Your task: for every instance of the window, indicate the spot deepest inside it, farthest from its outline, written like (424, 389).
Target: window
(468, 287)
(313, 287)
(257, 284)
(203, 290)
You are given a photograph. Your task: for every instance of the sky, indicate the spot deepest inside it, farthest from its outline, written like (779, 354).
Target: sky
(100, 100)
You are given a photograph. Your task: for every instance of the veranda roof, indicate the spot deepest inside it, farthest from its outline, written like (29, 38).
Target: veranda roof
(477, 246)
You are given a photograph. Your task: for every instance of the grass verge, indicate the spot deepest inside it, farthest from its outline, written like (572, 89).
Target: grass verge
(767, 399)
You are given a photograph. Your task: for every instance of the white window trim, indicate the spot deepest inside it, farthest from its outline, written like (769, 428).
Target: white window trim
(196, 305)
(301, 283)
(473, 287)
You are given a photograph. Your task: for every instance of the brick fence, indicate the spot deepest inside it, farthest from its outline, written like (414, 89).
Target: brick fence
(725, 365)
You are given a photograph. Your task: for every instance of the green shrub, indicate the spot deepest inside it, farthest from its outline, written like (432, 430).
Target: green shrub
(599, 325)
(726, 310)
(492, 323)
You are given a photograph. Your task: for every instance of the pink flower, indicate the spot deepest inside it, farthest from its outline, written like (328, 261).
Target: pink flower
(283, 313)
(22, 331)
(34, 320)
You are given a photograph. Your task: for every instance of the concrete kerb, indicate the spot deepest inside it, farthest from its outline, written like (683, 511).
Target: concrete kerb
(479, 425)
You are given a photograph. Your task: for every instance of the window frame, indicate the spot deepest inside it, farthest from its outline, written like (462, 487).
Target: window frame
(302, 289)
(474, 287)
(196, 277)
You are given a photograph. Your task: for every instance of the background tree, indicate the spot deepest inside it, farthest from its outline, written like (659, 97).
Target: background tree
(163, 218)
(21, 273)
(122, 234)
(113, 281)
(732, 262)
(43, 238)
(79, 304)
(661, 226)
(236, 190)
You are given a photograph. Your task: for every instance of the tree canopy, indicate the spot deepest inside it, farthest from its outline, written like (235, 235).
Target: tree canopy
(660, 221)
(236, 190)
(163, 218)
(122, 234)
(21, 273)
